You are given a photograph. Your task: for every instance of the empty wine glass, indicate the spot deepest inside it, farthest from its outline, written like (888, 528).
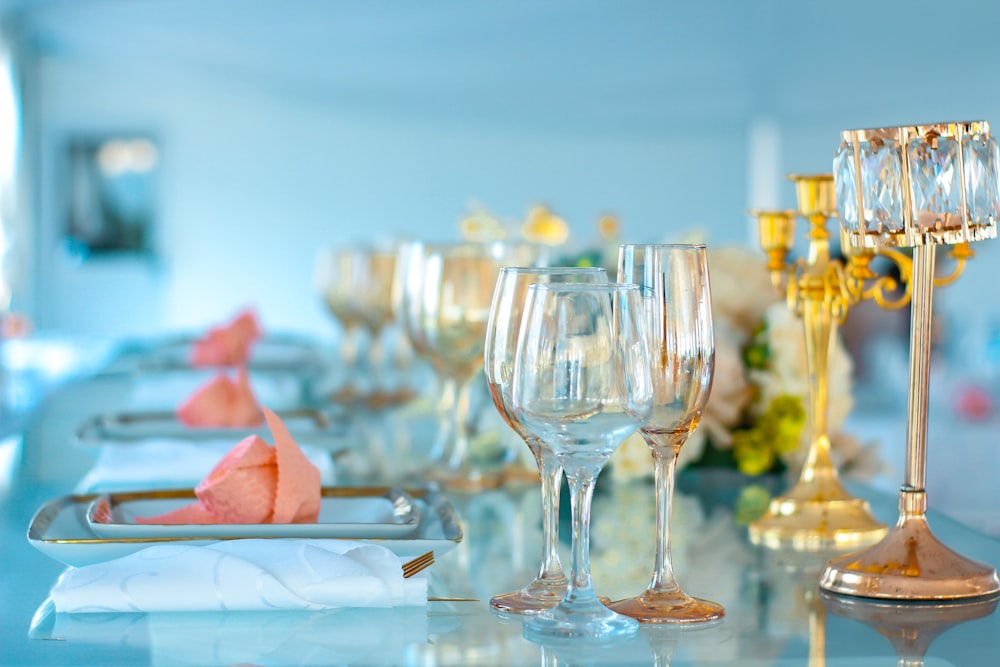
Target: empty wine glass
(677, 304)
(549, 585)
(582, 385)
(356, 284)
(449, 302)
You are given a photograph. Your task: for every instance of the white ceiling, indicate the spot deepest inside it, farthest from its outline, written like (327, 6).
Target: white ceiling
(590, 63)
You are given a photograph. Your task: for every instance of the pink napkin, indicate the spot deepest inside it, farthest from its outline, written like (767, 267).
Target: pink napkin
(228, 344)
(222, 402)
(255, 483)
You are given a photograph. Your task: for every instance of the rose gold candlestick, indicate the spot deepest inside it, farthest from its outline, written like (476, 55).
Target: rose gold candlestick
(920, 187)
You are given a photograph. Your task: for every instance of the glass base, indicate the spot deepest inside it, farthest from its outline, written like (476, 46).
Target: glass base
(668, 607)
(585, 619)
(466, 478)
(536, 597)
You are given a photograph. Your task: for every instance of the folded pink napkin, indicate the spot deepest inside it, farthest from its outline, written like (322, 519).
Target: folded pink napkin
(228, 344)
(255, 483)
(222, 402)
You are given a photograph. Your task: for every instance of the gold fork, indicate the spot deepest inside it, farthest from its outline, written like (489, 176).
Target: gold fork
(418, 564)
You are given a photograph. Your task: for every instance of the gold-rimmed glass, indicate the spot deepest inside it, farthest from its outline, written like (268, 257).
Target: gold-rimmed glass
(357, 287)
(549, 585)
(581, 384)
(449, 303)
(677, 309)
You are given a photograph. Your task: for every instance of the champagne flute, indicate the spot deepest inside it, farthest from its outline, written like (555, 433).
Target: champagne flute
(549, 585)
(677, 304)
(582, 384)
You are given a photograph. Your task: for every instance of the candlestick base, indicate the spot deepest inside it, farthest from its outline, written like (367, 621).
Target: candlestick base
(805, 524)
(817, 514)
(910, 563)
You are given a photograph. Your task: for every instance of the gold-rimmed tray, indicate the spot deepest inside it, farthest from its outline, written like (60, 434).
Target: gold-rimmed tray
(392, 514)
(60, 530)
(273, 353)
(307, 425)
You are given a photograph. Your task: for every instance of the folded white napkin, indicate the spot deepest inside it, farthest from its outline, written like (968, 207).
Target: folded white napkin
(165, 463)
(242, 575)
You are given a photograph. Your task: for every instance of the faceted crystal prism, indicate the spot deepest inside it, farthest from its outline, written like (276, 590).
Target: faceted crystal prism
(882, 186)
(846, 186)
(982, 179)
(935, 187)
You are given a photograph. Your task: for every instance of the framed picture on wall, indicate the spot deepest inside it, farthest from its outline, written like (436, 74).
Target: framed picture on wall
(110, 186)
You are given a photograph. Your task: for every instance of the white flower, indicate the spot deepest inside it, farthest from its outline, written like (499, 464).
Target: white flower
(741, 289)
(787, 373)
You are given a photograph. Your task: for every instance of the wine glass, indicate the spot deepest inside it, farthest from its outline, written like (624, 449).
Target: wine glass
(356, 284)
(677, 305)
(449, 308)
(582, 384)
(549, 585)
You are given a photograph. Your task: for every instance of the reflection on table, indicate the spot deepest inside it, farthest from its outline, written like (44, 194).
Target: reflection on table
(775, 615)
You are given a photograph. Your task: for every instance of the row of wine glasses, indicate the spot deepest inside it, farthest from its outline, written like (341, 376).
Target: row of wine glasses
(575, 365)
(440, 295)
(356, 284)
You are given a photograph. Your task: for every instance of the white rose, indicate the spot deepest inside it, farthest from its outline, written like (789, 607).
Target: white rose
(787, 373)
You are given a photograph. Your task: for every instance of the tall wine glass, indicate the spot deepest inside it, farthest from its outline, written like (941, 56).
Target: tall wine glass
(582, 384)
(340, 274)
(677, 305)
(455, 292)
(549, 585)
(407, 291)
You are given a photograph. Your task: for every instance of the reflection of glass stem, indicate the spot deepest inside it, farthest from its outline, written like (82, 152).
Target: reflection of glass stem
(441, 449)
(457, 457)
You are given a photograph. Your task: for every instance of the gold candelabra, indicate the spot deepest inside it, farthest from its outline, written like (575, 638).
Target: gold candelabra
(817, 513)
(915, 186)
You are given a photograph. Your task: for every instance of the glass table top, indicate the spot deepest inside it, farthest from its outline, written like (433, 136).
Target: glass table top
(776, 615)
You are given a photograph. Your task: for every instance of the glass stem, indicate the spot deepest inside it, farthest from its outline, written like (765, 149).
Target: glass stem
(441, 449)
(458, 457)
(581, 490)
(551, 474)
(664, 466)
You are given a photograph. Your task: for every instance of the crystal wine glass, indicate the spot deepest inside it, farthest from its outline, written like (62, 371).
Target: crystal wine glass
(549, 585)
(677, 305)
(452, 303)
(356, 283)
(582, 385)
(340, 276)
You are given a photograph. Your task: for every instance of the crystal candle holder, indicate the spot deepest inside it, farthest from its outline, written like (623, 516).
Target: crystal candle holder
(915, 186)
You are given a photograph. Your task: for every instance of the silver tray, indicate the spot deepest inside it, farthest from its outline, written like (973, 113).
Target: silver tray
(306, 425)
(60, 530)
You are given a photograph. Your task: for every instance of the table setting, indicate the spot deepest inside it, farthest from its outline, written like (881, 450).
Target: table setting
(400, 500)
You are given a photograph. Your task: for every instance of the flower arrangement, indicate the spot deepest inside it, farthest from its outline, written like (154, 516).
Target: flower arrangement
(755, 420)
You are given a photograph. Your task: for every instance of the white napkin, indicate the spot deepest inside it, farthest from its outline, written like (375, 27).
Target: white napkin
(242, 575)
(164, 463)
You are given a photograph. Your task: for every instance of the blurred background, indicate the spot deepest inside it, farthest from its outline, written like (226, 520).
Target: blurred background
(165, 162)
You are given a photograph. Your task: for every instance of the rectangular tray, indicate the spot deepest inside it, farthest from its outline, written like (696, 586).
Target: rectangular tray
(273, 353)
(307, 425)
(393, 514)
(59, 529)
